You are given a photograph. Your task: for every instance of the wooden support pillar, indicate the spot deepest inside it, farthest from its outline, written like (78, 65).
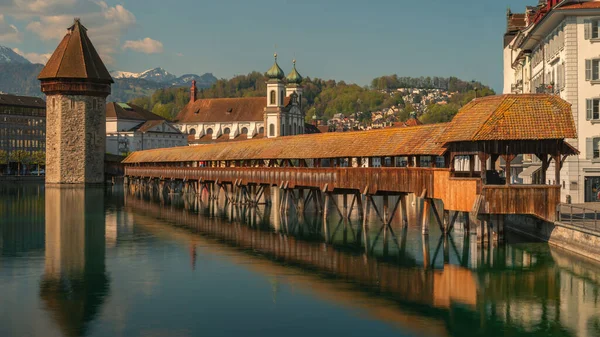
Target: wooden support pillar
(425, 216)
(325, 212)
(446, 222)
(483, 157)
(557, 168)
(471, 165)
(403, 206)
(467, 222)
(545, 164)
(417, 161)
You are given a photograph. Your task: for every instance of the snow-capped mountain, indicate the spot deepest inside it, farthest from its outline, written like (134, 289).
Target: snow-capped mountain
(158, 75)
(8, 55)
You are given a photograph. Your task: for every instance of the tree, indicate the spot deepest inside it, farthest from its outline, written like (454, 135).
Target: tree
(439, 113)
(38, 158)
(21, 157)
(3, 158)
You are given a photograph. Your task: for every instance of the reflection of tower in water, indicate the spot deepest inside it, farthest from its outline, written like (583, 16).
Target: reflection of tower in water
(75, 283)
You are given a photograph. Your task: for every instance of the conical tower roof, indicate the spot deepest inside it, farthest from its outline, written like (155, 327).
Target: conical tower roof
(76, 58)
(294, 77)
(275, 72)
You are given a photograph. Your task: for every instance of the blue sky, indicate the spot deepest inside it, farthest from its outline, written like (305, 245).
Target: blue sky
(348, 40)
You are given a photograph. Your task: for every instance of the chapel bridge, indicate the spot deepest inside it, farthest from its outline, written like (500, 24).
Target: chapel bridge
(421, 161)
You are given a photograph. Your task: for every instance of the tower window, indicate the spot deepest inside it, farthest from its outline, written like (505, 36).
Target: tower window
(272, 97)
(261, 130)
(226, 131)
(209, 131)
(244, 131)
(272, 130)
(281, 97)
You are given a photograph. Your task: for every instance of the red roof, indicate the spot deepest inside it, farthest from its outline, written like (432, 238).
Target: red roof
(224, 110)
(581, 5)
(76, 58)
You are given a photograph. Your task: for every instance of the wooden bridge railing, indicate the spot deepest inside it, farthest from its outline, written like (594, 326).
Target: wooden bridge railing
(370, 180)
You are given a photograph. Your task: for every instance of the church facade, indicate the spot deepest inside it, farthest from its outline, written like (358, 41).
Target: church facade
(227, 119)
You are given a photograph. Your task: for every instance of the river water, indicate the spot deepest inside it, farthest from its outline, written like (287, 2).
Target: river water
(99, 262)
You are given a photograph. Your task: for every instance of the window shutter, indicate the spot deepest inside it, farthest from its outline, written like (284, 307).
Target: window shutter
(589, 148)
(588, 109)
(588, 70)
(587, 29)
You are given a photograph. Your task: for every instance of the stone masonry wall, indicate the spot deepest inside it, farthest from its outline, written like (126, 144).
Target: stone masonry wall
(75, 139)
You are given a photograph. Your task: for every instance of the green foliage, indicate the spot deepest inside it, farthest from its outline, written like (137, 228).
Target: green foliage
(451, 84)
(3, 157)
(322, 98)
(20, 156)
(439, 113)
(444, 113)
(38, 158)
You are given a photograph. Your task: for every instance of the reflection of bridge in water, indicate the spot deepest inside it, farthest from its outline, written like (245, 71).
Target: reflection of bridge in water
(465, 301)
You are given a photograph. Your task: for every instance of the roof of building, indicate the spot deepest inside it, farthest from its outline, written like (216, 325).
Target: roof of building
(275, 72)
(512, 117)
(516, 21)
(581, 5)
(76, 58)
(420, 140)
(24, 101)
(294, 77)
(146, 126)
(223, 110)
(130, 111)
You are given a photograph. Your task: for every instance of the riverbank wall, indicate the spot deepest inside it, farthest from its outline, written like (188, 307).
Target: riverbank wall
(575, 239)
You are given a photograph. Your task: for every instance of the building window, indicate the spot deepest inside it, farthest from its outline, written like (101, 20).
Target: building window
(592, 109)
(592, 148)
(209, 131)
(591, 29)
(192, 132)
(281, 97)
(592, 70)
(272, 130)
(261, 130)
(272, 97)
(244, 131)
(226, 131)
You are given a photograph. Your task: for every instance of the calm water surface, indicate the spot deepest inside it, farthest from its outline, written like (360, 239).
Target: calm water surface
(97, 262)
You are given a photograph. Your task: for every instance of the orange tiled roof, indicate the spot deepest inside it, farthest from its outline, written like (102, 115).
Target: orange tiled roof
(512, 117)
(223, 110)
(581, 5)
(75, 58)
(418, 140)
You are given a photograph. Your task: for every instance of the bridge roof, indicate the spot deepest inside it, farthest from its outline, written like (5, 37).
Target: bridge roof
(512, 117)
(417, 140)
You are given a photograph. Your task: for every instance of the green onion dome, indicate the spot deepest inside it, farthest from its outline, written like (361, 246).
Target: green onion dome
(294, 76)
(275, 72)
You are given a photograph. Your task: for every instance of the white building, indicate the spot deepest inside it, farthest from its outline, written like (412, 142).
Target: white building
(131, 128)
(277, 114)
(555, 48)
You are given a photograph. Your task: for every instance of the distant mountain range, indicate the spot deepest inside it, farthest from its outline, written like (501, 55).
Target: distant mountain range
(19, 76)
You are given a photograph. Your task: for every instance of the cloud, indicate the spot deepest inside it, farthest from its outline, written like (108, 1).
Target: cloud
(49, 20)
(179, 54)
(33, 57)
(146, 46)
(8, 32)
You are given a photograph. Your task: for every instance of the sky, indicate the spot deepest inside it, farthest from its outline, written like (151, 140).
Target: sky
(350, 40)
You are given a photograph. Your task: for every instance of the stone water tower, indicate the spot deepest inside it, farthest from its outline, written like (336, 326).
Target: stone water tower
(76, 84)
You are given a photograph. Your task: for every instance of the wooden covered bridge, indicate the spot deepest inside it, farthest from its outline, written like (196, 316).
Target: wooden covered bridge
(488, 133)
